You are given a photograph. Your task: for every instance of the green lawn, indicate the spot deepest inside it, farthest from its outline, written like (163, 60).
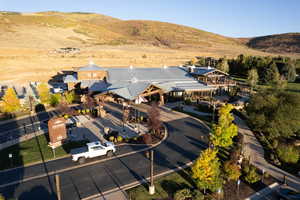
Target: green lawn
(33, 150)
(165, 186)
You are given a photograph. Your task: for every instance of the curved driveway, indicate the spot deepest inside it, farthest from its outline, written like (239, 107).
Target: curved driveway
(185, 141)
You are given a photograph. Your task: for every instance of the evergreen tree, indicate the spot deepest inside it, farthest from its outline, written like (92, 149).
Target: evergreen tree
(225, 130)
(44, 93)
(206, 170)
(252, 78)
(223, 65)
(272, 75)
(11, 102)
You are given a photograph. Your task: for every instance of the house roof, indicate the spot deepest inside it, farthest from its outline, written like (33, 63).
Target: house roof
(90, 67)
(94, 85)
(70, 79)
(205, 70)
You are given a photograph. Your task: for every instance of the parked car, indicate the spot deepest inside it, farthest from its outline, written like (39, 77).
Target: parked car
(288, 193)
(91, 150)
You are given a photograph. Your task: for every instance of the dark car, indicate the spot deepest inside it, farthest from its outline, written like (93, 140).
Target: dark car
(288, 193)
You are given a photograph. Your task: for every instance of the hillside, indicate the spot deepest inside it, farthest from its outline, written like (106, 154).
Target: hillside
(279, 43)
(31, 43)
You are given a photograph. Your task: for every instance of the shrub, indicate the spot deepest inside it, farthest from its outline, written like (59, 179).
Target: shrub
(232, 170)
(66, 116)
(197, 195)
(111, 138)
(119, 138)
(188, 102)
(2, 197)
(183, 194)
(252, 176)
(288, 153)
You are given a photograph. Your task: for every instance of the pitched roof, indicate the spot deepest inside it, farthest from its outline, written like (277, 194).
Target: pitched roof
(70, 79)
(90, 67)
(205, 70)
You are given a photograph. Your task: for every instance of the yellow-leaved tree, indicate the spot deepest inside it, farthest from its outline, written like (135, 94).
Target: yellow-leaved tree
(44, 93)
(11, 103)
(206, 170)
(224, 131)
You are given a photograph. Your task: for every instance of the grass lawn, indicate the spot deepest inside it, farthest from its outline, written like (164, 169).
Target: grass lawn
(33, 150)
(165, 186)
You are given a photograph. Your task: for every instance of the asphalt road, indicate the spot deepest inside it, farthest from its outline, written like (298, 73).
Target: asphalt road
(184, 143)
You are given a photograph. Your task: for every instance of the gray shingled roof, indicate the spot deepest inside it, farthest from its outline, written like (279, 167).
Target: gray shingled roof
(94, 85)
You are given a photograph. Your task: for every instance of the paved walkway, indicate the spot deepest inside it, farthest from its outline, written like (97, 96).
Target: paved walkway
(254, 151)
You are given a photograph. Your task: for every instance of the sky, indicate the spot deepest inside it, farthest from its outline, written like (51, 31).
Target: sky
(234, 18)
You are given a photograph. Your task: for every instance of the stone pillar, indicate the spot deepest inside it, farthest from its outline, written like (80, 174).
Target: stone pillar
(162, 101)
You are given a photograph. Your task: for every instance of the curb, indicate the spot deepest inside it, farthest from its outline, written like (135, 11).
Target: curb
(136, 183)
(86, 164)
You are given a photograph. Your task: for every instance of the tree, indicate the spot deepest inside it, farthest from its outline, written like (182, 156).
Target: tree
(11, 103)
(289, 72)
(252, 175)
(232, 170)
(2, 197)
(70, 96)
(55, 99)
(44, 93)
(275, 113)
(252, 78)
(225, 130)
(206, 170)
(223, 65)
(272, 75)
(154, 122)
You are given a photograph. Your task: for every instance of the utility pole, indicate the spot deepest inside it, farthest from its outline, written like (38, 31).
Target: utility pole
(57, 183)
(151, 187)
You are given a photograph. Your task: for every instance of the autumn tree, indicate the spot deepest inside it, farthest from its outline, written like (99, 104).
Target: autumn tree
(154, 122)
(232, 170)
(44, 93)
(70, 96)
(11, 103)
(206, 170)
(252, 78)
(224, 131)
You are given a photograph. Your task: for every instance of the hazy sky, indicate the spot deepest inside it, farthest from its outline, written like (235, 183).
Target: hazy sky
(236, 18)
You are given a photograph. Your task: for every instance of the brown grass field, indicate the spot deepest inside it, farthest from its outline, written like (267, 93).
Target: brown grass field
(28, 41)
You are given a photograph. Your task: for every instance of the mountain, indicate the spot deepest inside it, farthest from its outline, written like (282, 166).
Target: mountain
(53, 29)
(279, 43)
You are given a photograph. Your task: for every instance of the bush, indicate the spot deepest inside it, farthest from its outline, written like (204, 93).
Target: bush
(188, 102)
(197, 195)
(288, 153)
(252, 176)
(119, 138)
(183, 194)
(2, 197)
(111, 138)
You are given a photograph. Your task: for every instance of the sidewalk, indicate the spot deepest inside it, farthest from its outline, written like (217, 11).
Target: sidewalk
(253, 150)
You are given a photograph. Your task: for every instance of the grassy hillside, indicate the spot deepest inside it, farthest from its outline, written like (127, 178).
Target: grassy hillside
(29, 43)
(95, 29)
(280, 43)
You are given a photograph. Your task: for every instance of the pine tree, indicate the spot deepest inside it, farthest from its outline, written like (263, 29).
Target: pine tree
(11, 103)
(252, 78)
(223, 65)
(44, 93)
(225, 130)
(206, 171)
(272, 75)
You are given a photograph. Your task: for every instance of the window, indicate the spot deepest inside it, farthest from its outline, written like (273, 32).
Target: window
(96, 148)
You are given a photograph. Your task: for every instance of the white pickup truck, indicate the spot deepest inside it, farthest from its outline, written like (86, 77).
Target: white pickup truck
(92, 150)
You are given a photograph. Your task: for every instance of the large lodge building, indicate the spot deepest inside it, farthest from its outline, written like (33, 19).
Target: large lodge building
(145, 84)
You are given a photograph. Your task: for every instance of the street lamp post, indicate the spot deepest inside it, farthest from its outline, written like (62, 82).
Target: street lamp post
(151, 187)
(219, 193)
(238, 188)
(263, 175)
